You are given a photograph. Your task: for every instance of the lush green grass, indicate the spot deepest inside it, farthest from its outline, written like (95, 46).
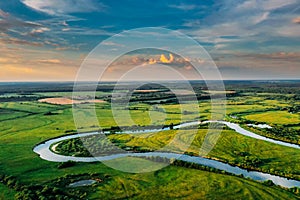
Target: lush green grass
(31, 107)
(18, 136)
(6, 193)
(275, 117)
(177, 182)
(6, 114)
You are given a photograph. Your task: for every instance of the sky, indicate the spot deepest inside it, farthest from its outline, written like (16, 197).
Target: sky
(47, 40)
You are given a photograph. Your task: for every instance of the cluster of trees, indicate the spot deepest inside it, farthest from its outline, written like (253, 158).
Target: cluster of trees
(280, 133)
(67, 164)
(19, 98)
(247, 161)
(213, 126)
(40, 192)
(284, 133)
(280, 87)
(140, 97)
(135, 149)
(116, 129)
(96, 145)
(251, 161)
(72, 147)
(294, 109)
(50, 113)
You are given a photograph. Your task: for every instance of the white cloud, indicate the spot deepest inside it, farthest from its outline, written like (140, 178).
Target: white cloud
(258, 19)
(250, 4)
(289, 30)
(39, 30)
(185, 7)
(275, 4)
(60, 7)
(248, 22)
(266, 5)
(192, 23)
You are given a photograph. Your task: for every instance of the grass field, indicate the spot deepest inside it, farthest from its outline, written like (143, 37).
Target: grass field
(6, 193)
(275, 117)
(177, 182)
(27, 123)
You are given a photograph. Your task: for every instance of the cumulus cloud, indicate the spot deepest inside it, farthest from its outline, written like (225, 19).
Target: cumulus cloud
(152, 61)
(127, 62)
(163, 58)
(39, 30)
(59, 7)
(248, 23)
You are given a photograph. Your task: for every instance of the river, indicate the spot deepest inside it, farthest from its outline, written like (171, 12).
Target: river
(43, 150)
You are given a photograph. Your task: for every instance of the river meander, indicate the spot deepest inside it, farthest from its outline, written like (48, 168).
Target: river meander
(43, 150)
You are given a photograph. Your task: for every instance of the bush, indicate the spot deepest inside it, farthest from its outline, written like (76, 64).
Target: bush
(67, 164)
(268, 183)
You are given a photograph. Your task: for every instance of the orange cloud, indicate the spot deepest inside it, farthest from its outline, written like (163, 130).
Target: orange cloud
(296, 20)
(4, 60)
(15, 41)
(152, 61)
(163, 58)
(18, 69)
(188, 67)
(50, 61)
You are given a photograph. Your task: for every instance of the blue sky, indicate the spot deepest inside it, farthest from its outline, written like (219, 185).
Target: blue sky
(248, 39)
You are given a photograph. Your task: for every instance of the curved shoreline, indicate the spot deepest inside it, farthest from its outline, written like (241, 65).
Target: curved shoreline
(44, 151)
(245, 132)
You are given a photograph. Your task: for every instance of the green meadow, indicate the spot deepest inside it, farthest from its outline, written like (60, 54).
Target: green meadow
(27, 123)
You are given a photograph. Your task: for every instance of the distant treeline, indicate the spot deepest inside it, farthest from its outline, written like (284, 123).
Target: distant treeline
(283, 87)
(19, 98)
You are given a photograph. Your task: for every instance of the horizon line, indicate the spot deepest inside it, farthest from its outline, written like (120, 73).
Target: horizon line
(115, 81)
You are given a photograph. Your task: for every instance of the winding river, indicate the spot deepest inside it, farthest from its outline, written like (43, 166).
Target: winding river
(43, 150)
